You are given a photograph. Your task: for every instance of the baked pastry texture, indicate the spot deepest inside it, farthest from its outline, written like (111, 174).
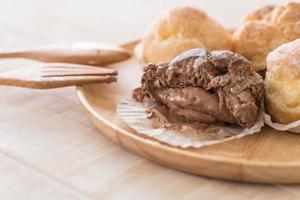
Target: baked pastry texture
(282, 83)
(266, 29)
(204, 86)
(180, 29)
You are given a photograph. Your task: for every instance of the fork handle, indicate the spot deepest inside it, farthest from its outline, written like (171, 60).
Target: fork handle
(79, 53)
(16, 54)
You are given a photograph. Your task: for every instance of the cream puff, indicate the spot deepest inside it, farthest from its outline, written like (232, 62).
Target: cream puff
(282, 83)
(201, 86)
(180, 29)
(266, 29)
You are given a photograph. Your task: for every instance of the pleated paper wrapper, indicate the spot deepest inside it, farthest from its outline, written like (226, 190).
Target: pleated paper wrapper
(184, 136)
(291, 127)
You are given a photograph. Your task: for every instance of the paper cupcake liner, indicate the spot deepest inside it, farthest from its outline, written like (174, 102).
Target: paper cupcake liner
(291, 127)
(134, 114)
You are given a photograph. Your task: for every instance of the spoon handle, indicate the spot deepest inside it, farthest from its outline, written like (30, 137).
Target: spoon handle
(79, 53)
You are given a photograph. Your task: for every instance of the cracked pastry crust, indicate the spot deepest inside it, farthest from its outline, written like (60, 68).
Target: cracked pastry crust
(180, 29)
(203, 86)
(265, 29)
(282, 83)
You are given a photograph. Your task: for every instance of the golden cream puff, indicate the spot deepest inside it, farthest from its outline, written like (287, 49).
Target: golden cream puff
(266, 29)
(282, 83)
(180, 29)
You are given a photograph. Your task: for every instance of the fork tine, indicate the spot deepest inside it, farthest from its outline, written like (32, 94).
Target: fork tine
(62, 70)
(54, 73)
(49, 82)
(72, 66)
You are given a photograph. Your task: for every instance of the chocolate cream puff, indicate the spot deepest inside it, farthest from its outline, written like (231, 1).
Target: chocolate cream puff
(265, 29)
(204, 86)
(180, 29)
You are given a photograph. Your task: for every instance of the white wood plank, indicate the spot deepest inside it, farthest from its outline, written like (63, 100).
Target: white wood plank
(20, 182)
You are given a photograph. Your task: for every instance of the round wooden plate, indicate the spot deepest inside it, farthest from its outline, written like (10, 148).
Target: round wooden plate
(267, 157)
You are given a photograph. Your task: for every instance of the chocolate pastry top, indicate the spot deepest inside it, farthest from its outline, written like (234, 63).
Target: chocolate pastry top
(203, 86)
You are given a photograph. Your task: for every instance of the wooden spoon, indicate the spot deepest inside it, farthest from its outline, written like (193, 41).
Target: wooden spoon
(79, 53)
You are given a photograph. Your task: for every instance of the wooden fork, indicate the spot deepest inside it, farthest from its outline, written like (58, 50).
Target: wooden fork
(55, 75)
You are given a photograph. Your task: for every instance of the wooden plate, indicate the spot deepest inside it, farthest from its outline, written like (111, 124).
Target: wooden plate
(267, 157)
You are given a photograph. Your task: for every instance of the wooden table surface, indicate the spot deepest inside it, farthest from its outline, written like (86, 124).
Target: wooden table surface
(48, 147)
